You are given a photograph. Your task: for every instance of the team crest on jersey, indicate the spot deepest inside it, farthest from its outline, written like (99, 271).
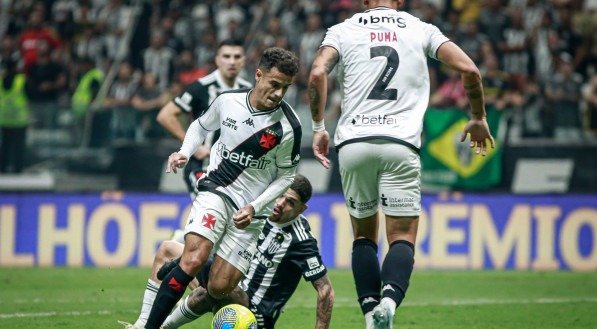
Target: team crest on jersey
(268, 139)
(209, 221)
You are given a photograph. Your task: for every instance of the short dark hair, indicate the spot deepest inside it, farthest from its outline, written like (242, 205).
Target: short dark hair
(302, 187)
(284, 60)
(231, 42)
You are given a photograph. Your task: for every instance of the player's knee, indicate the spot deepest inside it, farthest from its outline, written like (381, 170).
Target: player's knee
(219, 288)
(169, 249)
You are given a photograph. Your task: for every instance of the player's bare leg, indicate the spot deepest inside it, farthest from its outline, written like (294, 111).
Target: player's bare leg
(223, 279)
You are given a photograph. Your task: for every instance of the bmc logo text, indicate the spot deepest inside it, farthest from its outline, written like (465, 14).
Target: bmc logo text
(242, 159)
(399, 21)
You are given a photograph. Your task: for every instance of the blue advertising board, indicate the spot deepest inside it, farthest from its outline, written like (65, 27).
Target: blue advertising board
(456, 231)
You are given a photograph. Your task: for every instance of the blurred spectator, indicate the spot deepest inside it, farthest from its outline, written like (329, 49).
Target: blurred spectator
(532, 110)
(46, 81)
(185, 69)
(590, 101)
(226, 11)
(9, 52)
(496, 83)
(544, 42)
(472, 41)
(14, 118)
(122, 123)
(148, 100)
(112, 20)
(469, 9)
(310, 40)
(172, 41)
(493, 21)
(515, 47)
(450, 93)
(63, 12)
(35, 35)
(206, 51)
(89, 80)
(563, 93)
(87, 44)
(159, 59)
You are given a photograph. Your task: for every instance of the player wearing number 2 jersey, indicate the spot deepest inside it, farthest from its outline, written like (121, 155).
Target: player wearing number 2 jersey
(381, 55)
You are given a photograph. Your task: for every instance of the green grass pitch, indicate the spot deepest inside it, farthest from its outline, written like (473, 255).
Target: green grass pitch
(97, 298)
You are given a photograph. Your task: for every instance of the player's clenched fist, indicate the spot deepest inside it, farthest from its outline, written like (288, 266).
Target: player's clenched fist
(175, 161)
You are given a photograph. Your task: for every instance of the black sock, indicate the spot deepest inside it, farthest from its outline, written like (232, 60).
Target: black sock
(396, 270)
(366, 273)
(170, 292)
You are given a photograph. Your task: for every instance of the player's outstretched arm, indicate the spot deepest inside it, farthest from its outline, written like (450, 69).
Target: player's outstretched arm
(168, 118)
(325, 302)
(325, 61)
(449, 53)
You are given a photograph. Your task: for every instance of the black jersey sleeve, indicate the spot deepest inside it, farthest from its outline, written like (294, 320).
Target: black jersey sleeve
(194, 99)
(306, 256)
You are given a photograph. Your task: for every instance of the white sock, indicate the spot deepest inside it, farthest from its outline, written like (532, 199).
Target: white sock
(182, 314)
(151, 290)
(369, 320)
(389, 303)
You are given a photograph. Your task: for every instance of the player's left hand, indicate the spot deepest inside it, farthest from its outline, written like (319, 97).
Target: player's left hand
(479, 132)
(321, 147)
(176, 161)
(242, 218)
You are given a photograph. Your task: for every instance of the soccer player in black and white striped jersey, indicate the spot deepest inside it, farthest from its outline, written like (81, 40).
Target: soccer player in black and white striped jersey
(286, 251)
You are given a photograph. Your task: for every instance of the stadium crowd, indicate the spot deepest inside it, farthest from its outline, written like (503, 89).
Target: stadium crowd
(538, 59)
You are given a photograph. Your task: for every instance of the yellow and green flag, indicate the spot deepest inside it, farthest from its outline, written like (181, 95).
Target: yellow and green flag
(447, 162)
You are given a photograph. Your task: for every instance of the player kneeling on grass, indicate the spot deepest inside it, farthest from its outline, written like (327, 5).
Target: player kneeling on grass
(286, 250)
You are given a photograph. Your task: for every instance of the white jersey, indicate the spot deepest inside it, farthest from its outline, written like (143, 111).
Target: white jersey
(383, 73)
(256, 151)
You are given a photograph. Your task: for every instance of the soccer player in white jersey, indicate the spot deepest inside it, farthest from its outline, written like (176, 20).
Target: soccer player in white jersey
(382, 58)
(252, 163)
(195, 99)
(286, 251)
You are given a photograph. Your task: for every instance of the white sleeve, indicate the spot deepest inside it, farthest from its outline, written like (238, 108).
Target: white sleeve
(199, 129)
(192, 139)
(435, 38)
(275, 189)
(332, 38)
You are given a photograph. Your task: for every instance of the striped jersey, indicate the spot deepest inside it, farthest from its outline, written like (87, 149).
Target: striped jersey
(285, 253)
(195, 99)
(255, 148)
(383, 73)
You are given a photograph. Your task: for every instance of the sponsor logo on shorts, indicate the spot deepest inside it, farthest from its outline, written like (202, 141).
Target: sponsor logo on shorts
(361, 206)
(245, 254)
(398, 202)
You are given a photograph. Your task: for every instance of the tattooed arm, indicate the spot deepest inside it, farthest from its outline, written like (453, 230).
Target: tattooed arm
(325, 302)
(324, 63)
(449, 53)
(325, 60)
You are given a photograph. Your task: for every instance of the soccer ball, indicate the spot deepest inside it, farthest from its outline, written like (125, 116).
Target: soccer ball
(234, 316)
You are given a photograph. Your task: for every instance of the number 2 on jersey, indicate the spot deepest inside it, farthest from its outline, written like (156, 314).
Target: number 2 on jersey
(379, 91)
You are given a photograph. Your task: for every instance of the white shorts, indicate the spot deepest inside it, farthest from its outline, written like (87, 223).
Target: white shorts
(211, 217)
(379, 171)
